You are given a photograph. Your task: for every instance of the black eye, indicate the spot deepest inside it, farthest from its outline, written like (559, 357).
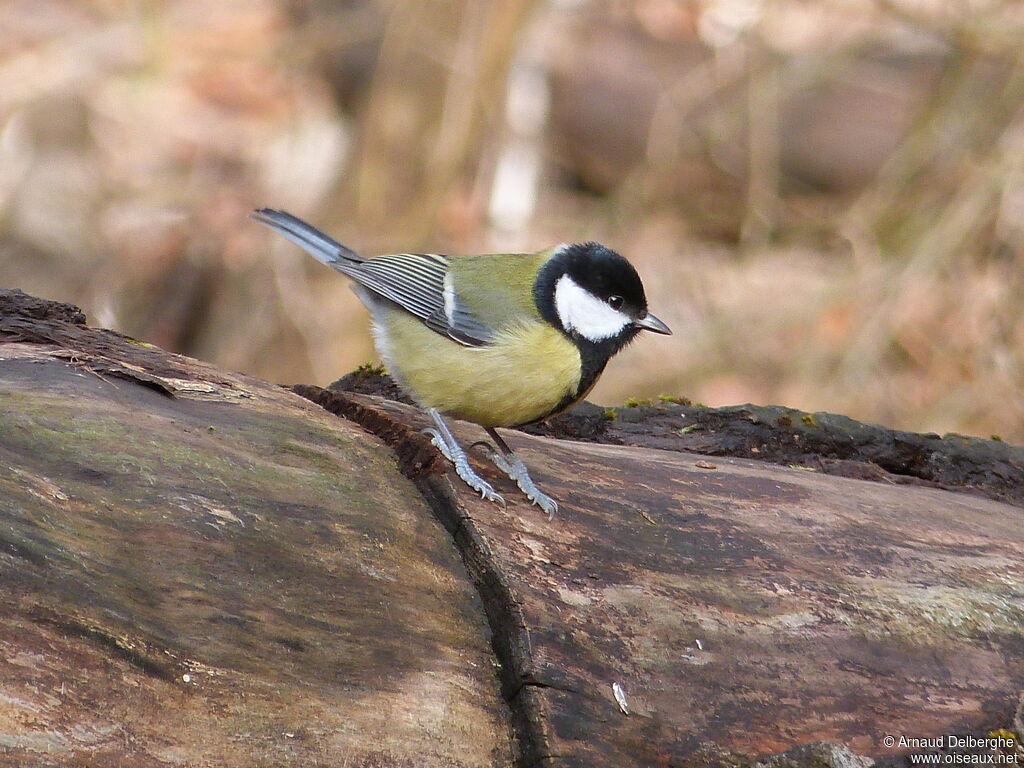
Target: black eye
(615, 302)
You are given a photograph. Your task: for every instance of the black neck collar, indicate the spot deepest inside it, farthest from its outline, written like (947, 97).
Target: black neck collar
(594, 355)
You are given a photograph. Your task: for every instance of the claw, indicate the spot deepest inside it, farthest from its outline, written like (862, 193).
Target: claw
(513, 466)
(477, 483)
(546, 503)
(490, 494)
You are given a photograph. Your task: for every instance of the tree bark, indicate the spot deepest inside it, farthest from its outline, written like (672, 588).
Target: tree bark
(201, 569)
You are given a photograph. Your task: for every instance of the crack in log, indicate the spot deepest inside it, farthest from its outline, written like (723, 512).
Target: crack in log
(419, 461)
(552, 686)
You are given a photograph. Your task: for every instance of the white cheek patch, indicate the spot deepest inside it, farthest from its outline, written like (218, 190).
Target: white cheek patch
(582, 312)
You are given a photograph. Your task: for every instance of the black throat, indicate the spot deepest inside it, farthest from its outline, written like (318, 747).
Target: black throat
(594, 355)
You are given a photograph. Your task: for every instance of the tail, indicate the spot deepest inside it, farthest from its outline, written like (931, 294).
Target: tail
(324, 249)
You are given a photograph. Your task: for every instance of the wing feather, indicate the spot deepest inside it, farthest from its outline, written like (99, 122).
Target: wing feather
(416, 283)
(413, 281)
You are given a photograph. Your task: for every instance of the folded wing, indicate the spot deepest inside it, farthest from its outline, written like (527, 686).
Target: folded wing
(416, 282)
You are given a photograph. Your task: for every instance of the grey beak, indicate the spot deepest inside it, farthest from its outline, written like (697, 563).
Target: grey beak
(650, 323)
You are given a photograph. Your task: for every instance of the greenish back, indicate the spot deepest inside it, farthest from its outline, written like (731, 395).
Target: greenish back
(498, 287)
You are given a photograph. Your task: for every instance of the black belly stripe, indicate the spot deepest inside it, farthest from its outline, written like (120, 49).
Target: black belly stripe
(593, 366)
(594, 356)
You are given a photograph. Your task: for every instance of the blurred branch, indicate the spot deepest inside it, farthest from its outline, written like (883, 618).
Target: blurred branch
(928, 223)
(441, 65)
(763, 94)
(995, 29)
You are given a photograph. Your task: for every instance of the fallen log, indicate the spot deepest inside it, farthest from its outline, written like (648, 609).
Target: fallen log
(200, 568)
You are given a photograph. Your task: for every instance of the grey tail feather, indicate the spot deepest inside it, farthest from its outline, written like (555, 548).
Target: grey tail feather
(323, 248)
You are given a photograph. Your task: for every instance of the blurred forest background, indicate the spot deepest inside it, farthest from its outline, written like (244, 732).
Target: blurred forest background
(826, 199)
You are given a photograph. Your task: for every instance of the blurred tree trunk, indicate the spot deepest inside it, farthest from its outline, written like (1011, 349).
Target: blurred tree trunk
(437, 90)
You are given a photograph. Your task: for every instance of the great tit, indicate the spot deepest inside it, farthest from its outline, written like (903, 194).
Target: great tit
(501, 340)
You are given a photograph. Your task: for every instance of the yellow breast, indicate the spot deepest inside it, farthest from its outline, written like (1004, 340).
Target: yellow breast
(522, 376)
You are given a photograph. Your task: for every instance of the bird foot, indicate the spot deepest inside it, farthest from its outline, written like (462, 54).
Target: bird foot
(461, 463)
(513, 466)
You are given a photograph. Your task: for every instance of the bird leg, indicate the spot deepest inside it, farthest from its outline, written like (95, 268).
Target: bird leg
(513, 466)
(443, 439)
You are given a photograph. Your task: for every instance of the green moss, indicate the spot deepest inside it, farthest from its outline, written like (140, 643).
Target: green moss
(675, 399)
(1005, 734)
(297, 463)
(809, 420)
(610, 414)
(952, 612)
(688, 429)
(144, 344)
(370, 371)
(636, 402)
(997, 438)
